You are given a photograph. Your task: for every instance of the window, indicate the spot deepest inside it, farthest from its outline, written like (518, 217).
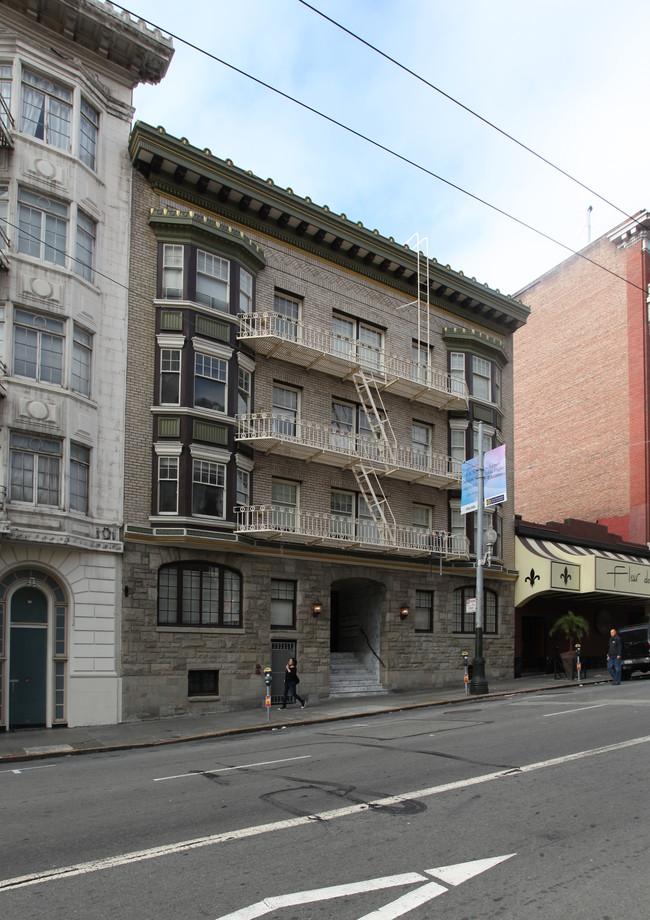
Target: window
(47, 110)
(284, 503)
(367, 527)
(497, 384)
(245, 291)
(421, 523)
(424, 611)
(38, 347)
(202, 683)
(342, 514)
(420, 360)
(82, 344)
(287, 316)
(212, 277)
(243, 487)
(457, 371)
(208, 487)
(35, 470)
(283, 604)
(85, 254)
(170, 376)
(244, 387)
(465, 622)
(421, 441)
(343, 420)
(172, 272)
(79, 473)
(458, 529)
(5, 95)
(481, 378)
(4, 213)
(210, 376)
(198, 594)
(167, 485)
(487, 440)
(88, 127)
(358, 341)
(285, 410)
(457, 444)
(42, 227)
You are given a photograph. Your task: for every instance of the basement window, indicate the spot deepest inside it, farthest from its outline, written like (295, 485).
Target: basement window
(202, 683)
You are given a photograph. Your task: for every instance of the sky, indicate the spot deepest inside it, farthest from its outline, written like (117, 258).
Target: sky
(564, 77)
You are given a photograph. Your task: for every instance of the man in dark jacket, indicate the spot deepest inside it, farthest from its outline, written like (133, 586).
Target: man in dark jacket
(614, 650)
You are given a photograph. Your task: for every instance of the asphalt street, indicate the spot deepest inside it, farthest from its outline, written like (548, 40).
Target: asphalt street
(506, 807)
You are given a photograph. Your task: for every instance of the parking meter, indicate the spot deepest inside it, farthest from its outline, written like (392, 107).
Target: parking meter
(578, 664)
(267, 681)
(466, 666)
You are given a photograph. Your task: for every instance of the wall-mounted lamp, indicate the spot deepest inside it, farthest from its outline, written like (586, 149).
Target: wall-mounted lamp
(316, 608)
(403, 611)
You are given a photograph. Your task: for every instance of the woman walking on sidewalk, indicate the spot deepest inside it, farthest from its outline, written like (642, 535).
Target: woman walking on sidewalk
(291, 681)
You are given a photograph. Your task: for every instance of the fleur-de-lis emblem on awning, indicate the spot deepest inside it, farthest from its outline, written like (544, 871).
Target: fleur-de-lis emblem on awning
(565, 576)
(532, 578)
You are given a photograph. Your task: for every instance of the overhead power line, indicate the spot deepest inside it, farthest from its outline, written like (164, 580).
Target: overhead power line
(378, 145)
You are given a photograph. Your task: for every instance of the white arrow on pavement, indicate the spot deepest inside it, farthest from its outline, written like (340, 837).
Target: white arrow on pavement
(450, 875)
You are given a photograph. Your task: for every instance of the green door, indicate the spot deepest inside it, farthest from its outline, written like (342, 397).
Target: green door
(28, 658)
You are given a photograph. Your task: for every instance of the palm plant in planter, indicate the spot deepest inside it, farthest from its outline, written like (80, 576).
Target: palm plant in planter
(573, 627)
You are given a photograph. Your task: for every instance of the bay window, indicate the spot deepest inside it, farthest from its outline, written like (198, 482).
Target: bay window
(47, 110)
(42, 227)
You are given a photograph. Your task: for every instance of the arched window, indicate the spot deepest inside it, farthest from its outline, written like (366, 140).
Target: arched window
(198, 594)
(465, 622)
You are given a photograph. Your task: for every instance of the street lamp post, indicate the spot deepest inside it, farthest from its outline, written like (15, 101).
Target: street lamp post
(478, 684)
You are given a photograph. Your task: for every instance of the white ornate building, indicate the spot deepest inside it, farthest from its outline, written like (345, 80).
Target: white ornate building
(67, 72)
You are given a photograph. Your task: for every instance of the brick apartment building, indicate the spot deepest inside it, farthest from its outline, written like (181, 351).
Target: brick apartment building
(582, 429)
(301, 395)
(67, 72)
(582, 439)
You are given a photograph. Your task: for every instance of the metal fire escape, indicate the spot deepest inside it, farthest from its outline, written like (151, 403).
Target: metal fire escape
(367, 471)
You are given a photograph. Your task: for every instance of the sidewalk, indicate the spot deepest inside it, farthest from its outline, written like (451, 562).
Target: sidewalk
(37, 743)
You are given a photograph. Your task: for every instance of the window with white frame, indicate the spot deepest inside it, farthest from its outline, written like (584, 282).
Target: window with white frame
(342, 514)
(488, 436)
(208, 488)
(212, 280)
(465, 622)
(4, 214)
(457, 369)
(245, 291)
(421, 524)
(458, 528)
(283, 604)
(38, 347)
(481, 378)
(420, 358)
(287, 316)
(85, 253)
(457, 440)
(5, 94)
(172, 272)
(244, 391)
(42, 227)
(421, 445)
(242, 497)
(35, 470)
(82, 344)
(285, 410)
(343, 421)
(358, 340)
(47, 110)
(423, 611)
(496, 373)
(284, 504)
(367, 529)
(88, 130)
(170, 376)
(79, 478)
(167, 485)
(210, 382)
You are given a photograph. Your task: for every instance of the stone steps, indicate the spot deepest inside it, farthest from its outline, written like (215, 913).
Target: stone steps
(348, 677)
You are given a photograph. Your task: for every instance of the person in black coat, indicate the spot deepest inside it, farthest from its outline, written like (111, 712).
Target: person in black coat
(614, 660)
(291, 681)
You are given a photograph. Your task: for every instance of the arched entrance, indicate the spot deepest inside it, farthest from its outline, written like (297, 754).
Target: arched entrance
(33, 649)
(355, 630)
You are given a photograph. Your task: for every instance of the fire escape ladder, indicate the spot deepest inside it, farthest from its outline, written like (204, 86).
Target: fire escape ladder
(373, 406)
(376, 501)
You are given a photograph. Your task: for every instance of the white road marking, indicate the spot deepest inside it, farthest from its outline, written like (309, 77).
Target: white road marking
(451, 875)
(243, 766)
(184, 846)
(566, 712)
(16, 771)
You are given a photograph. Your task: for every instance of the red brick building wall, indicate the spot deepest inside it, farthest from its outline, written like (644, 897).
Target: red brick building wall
(580, 383)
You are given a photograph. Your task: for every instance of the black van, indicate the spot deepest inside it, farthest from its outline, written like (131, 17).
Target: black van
(635, 654)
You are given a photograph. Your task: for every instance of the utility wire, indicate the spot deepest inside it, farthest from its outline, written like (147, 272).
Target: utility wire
(379, 146)
(470, 111)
